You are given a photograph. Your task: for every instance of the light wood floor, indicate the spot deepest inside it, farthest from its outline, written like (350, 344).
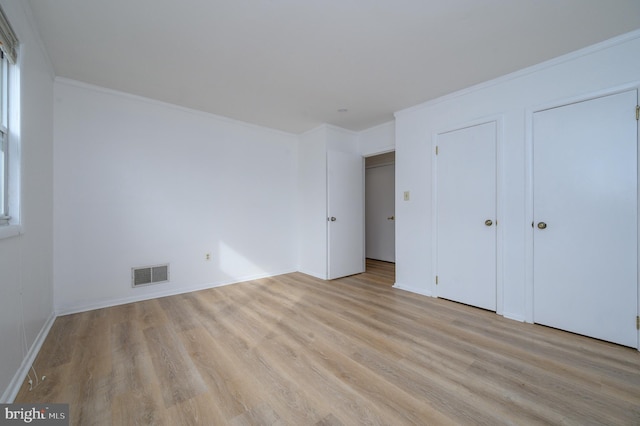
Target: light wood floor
(295, 350)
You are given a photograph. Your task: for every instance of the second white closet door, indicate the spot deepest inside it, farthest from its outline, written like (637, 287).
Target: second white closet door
(585, 245)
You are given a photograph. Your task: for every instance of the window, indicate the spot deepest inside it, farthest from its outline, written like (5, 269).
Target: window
(8, 153)
(4, 142)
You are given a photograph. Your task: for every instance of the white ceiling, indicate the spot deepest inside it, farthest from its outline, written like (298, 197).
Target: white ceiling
(291, 64)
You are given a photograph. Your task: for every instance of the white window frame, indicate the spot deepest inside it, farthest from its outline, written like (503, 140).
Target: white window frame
(4, 142)
(10, 224)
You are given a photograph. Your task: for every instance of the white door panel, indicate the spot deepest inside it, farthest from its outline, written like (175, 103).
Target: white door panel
(345, 214)
(380, 213)
(466, 199)
(585, 191)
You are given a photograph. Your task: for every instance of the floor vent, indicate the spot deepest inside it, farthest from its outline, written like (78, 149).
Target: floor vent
(149, 275)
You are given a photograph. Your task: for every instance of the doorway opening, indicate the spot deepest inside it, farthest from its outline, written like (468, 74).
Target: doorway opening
(380, 215)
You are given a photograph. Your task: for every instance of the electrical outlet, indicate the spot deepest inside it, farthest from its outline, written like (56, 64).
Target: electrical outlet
(207, 256)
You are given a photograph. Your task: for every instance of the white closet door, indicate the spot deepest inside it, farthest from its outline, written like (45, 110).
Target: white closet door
(585, 184)
(466, 215)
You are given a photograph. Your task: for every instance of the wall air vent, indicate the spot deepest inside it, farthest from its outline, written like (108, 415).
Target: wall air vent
(149, 275)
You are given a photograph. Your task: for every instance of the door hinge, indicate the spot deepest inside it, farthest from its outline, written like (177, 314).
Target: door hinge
(436, 149)
(436, 280)
(638, 323)
(637, 112)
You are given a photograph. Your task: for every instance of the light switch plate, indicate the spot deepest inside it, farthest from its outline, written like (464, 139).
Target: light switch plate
(406, 195)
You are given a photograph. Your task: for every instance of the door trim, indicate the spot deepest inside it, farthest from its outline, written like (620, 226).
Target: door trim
(500, 191)
(528, 166)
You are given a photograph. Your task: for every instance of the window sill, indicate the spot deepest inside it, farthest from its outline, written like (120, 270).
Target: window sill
(9, 231)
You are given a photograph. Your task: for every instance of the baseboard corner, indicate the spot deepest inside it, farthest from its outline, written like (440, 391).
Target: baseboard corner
(12, 390)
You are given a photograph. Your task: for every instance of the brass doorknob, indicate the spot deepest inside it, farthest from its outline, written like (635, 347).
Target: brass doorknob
(488, 222)
(332, 219)
(542, 225)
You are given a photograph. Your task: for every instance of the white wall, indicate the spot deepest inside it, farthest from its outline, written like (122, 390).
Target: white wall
(26, 259)
(377, 140)
(140, 183)
(312, 202)
(513, 99)
(339, 139)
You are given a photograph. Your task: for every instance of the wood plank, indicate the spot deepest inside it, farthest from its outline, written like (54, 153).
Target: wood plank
(179, 380)
(294, 349)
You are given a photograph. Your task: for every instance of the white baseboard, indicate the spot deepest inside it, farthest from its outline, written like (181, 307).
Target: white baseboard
(412, 289)
(84, 307)
(18, 379)
(315, 274)
(515, 317)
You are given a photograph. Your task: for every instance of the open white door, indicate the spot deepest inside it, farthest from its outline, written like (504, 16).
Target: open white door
(466, 215)
(345, 214)
(585, 200)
